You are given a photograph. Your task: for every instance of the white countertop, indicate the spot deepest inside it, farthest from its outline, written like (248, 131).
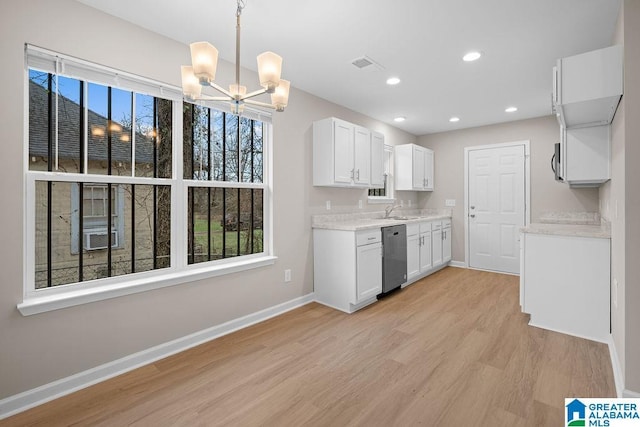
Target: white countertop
(356, 222)
(601, 231)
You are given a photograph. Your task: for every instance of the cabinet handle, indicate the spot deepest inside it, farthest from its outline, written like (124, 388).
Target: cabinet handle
(358, 174)
(352, 173)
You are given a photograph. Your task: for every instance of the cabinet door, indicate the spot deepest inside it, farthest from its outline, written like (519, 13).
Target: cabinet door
(343, 152)
(377, 160)
(425, 252)
(413, 256)
(368, 271)
(418, 167)
(436, 247)
(446, 245)
(428, 169)
(362, 156)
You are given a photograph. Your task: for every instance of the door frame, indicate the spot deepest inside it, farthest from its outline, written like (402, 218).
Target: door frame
(527, 186)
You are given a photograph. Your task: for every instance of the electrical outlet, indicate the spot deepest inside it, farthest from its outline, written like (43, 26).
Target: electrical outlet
(287, 275)
(402, 203)
(360, 203)
(409, 203)
(450, 202)
(328, 205)
(614, 293)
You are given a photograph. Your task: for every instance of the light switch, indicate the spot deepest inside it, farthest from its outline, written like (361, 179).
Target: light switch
(450, 202)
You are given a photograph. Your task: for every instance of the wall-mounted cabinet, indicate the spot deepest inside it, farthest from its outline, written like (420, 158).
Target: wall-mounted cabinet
(585, 155)
(587, 87)
(347, 155)
(413, 168)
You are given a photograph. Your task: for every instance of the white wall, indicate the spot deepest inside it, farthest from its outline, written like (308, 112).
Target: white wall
(38, 349)
(546, 193)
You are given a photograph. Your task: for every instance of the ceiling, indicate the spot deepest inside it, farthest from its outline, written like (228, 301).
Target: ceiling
(420, 41)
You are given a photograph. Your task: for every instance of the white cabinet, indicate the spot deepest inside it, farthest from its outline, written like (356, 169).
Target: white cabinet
(344, 155)
(362, 156)
(446, 241)
(565, 284)
(426, 263)
(347, 268)
(377, 160)
(585, 154)
(413, 168)
(436, 243)
(428, 248)
(418, 249)
(587, 87)
(414, 244)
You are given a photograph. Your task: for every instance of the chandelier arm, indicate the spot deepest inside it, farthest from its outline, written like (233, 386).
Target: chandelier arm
(221, 89)
(254, 93)
(259, 104)
(206, 98)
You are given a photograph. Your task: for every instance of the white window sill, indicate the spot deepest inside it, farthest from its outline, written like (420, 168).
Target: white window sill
(44, 303)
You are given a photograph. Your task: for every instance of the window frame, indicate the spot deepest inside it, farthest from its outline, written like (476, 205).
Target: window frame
(68, 295)
(389, 177)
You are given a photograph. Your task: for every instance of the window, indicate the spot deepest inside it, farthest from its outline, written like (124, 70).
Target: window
(223, 158)
(385, 194)
(112, 201)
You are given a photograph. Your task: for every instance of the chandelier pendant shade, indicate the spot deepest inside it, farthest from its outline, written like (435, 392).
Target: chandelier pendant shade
(202, 72)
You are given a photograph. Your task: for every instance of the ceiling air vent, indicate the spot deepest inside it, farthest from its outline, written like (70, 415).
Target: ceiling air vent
(367, 64)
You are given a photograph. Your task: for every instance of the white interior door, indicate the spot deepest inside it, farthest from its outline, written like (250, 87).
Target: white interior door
(496, 202)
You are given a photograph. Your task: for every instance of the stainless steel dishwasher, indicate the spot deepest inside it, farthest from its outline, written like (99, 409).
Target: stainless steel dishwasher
(394, 257)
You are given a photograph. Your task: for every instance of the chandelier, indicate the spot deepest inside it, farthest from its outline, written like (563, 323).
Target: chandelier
(202, 72)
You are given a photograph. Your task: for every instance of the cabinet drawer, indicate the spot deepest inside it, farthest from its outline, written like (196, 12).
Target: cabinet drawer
(436, 225)
(425, 226)
(368, 236)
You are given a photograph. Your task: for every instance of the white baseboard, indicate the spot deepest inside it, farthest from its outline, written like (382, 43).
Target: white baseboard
(631, 394)
(618, 377)
(458, 264)
(45, 393)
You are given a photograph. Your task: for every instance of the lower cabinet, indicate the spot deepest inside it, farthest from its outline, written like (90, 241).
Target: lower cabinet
(368, 271)
(565, 284)
(446, 240)
(426, 261)
(347, 268)
(428, 248)
(436, 243)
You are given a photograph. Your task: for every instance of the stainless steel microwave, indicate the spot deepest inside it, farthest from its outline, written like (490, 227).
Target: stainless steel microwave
(555, 162)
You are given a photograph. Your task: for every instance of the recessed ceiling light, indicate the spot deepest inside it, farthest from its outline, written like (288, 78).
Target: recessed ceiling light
(392, 81)
(400, 119)
(511, 110)
(454, 119)
(471, 56)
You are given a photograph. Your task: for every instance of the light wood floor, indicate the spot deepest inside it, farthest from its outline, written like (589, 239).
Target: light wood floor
(450, 350)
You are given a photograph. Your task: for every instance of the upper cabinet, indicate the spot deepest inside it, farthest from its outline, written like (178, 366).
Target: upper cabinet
(587, 87)
(377, 160)
(347, 155)
(413, 168)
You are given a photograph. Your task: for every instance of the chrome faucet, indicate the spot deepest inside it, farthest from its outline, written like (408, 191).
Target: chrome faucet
(389, 209)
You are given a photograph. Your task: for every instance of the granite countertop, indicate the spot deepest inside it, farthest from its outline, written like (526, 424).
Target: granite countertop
(356, 222)
(572, 224)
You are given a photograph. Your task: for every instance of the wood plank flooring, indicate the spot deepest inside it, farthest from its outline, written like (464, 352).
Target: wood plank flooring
(452, 349)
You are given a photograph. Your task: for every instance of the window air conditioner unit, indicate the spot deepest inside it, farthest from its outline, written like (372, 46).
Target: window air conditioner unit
(98, 239)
